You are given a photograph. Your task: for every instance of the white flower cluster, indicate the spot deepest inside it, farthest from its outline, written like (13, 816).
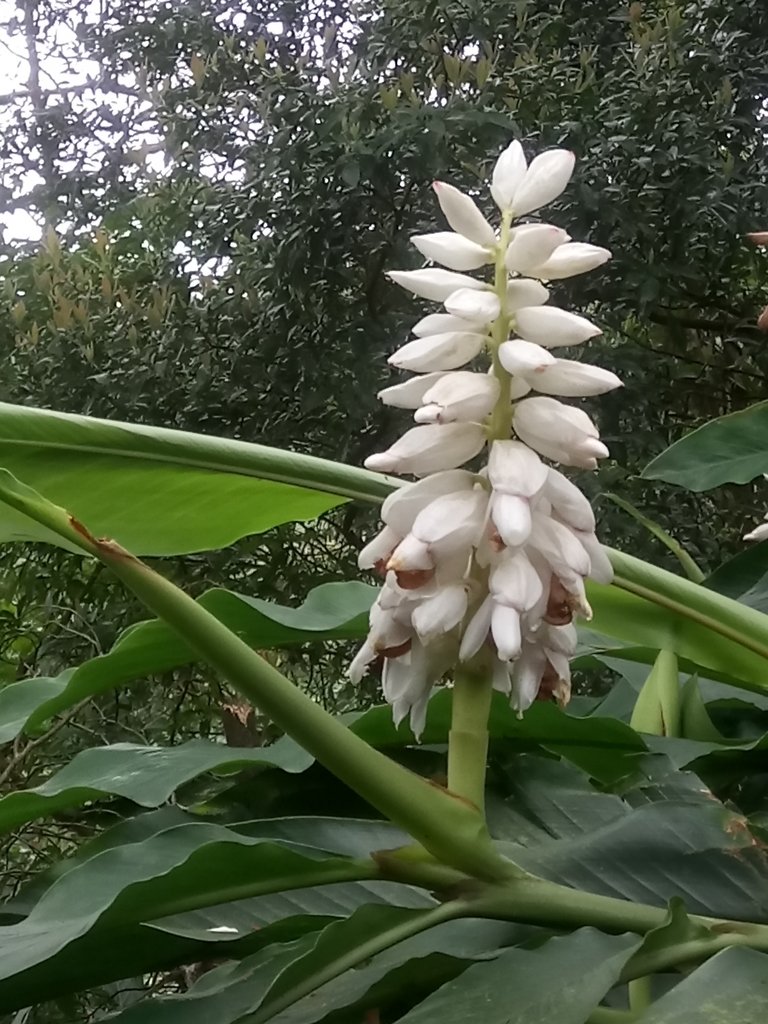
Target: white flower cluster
(487, 567)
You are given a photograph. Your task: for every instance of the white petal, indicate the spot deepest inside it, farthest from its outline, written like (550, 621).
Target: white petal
(514, 469)
(601, 570)
(523, 292)
(515, 582)
(571, 379)
(505, 629)
(531, 245)
(526, 676)
(429, 449)
(441, 612)
(508, 175)
(512, 518)
(518, 387)
(502, 680)
(453, 522)
(387, 630)
(433, 283)
(459, 396)
(452, 250)
(477, 307)
(405, 683)
(410, 393)
(379, 549)
(561, 638)
(568, 502)
(358, 667)
(759, 533)
(476, 631)
(544, 180)
(440, 323)
(524, 358)
(463, 215)
(409, 555)
(552, 327)
(560, 547)
(438, 352)
(402, 506)
(571, 259)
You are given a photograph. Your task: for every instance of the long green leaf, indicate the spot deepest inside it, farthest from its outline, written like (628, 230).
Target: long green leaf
(161, 491)
(730, 449)
(691, 569)
(562, 981)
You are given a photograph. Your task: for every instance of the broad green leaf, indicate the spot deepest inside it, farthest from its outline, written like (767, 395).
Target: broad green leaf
(732, 987)
(730, 449)
(176, 870)
(331, 611)
(563, 981)
(160, 491)
(744, 577)
(146, 775)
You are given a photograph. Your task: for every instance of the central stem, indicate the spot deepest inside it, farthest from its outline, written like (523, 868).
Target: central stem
(468, 738)
(500, 421)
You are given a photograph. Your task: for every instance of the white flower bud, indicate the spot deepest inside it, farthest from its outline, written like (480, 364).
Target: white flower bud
(452, 250)
(476, 630)
(476, 307)
(559, 432)
(508, 174)
(433, 283)
(523, 292)
(601, 570)
(553, 327)
(438, 352)
(359, 665)
(570, 259)
(531, 245)
(441, 323)
(459, 396)
(526, 676)
(505, 630)
(440, 612)
(544, 180)
(410, 393)
(515, 582)
(428, 449)
(463, 215)
(514, 469)
(560, 547)
(568, 502)
(452, 523)
(524, 358)
(400, 508)
(511, 515)
(759, 533)
(571, 379)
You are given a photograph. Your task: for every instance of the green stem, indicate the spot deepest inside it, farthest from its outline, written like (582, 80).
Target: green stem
(640, 993)
(468, 738)
(641, 965)
(377, 944)
(500, 420)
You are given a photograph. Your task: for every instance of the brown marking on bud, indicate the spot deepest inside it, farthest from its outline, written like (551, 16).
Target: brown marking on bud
(412, 579)
(396, 650)
(380, 567)
(559, 611)
(757, 237)
(553, 685)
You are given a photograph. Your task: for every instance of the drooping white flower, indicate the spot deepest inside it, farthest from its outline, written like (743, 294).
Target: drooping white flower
(568, 502)
(433, 283)
(452, 250)
(452, 523)
(515, 582)
(601, 570)
(514, 469)
(378, 551)
(545, 179)
(560, 547)
(570, 259)
(511, 516)
(553, 327)
(436, 352)
(440, 612)
(429, 449)
(570, 379)
(532, 245)
(462, 214)
(459, 396)
(473, 306)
